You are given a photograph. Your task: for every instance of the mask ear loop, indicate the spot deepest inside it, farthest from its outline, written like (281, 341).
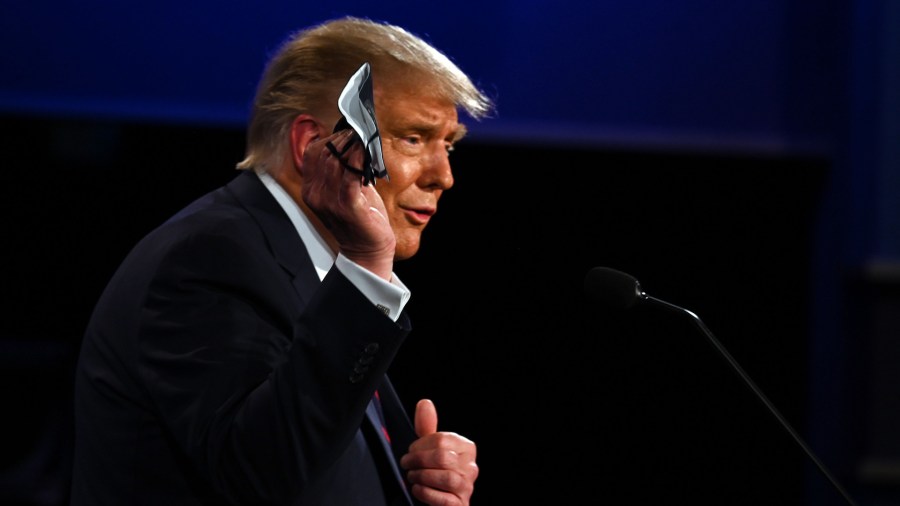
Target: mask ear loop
(339, 155)
(342, 124)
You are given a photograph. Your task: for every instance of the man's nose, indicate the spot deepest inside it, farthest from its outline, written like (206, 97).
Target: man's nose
(437, 172)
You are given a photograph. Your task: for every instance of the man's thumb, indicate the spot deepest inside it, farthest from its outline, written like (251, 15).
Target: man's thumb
(426, 418)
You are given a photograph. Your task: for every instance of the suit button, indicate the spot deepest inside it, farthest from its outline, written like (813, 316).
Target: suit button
(371, 349)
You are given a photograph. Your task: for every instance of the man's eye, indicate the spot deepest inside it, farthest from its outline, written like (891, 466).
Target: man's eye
(412, 139)
(449, 147)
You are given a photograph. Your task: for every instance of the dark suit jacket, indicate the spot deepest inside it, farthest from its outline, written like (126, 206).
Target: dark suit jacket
(218, 369)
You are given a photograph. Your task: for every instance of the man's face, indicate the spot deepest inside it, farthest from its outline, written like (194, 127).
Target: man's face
(417, 133)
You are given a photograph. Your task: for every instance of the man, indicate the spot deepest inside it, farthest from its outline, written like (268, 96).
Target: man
(239, 353)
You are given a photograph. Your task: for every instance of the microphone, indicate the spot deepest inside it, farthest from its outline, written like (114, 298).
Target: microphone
(619, 291)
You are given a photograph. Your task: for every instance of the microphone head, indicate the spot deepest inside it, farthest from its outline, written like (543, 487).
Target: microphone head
(611, 288)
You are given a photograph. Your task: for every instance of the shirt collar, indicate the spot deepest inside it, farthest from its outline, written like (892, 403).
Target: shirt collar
(321, 255)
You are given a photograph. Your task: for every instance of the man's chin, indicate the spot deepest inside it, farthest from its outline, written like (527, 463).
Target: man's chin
(406, 247)
(404, 254)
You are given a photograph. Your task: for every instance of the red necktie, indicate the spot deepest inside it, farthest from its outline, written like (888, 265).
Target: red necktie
(384, 430)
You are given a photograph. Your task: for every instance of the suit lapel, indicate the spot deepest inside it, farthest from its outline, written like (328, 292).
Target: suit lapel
(398, 423)
(280, 234)
(374, 419)
(399, 427)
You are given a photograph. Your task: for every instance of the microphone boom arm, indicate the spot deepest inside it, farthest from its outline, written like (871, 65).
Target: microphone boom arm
(749, 382)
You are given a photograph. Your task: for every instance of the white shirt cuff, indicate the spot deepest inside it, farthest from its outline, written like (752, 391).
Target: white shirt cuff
(390, 298)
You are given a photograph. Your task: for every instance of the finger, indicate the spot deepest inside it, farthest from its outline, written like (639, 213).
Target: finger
(432, 496)
(455, 481)
(426, 418)
(345, 145)
(439, 486)
(440, 450)
(340, 157)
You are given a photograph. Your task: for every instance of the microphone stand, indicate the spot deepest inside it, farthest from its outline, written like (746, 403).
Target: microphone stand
(759, 393)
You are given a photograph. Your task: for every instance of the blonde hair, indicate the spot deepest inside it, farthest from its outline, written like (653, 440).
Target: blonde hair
(311, 67)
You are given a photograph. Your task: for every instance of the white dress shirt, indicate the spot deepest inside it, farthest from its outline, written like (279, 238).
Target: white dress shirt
(389, 297)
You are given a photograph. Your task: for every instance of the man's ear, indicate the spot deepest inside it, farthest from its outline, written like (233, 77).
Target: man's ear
(304, 130)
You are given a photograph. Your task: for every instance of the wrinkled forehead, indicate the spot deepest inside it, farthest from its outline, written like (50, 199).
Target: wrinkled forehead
(392, 78)
(400, 89)
(412, 96)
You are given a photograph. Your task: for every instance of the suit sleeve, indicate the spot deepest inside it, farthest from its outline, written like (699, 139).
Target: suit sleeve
(259, 393)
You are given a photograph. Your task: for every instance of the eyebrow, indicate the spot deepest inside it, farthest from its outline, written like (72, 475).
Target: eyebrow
(427, 128)
(461, 132)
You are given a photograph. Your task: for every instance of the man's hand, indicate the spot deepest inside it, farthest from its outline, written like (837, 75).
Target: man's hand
(354, 213)
(441, 465)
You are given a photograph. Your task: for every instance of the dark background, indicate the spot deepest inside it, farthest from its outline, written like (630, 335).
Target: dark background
(739, 158)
